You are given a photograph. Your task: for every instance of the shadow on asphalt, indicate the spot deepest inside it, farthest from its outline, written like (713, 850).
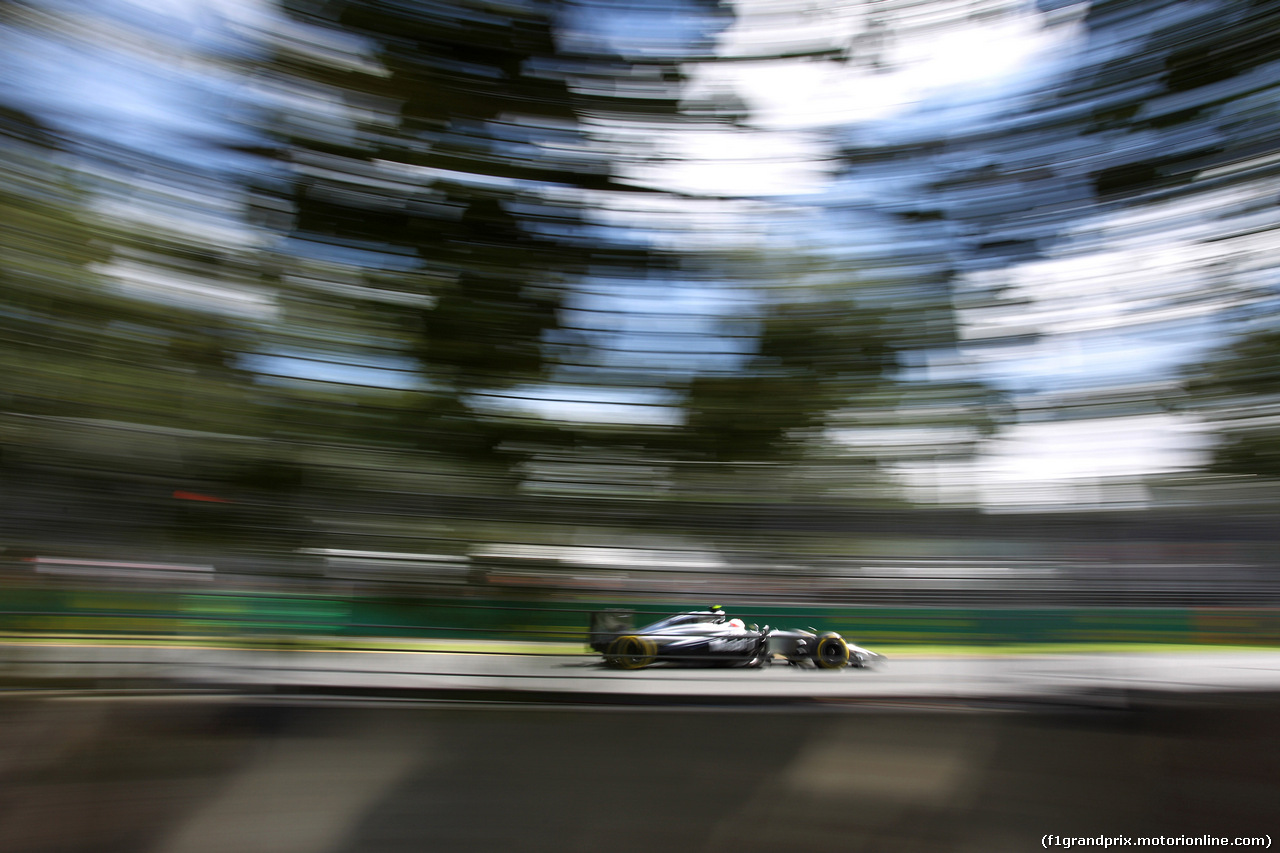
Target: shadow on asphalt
(186, 774)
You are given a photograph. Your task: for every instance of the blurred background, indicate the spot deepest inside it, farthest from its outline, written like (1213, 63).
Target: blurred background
(882, 304)
(945, 323)
(961, 302)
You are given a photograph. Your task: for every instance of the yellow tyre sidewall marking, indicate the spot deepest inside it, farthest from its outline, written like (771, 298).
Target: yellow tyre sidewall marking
(632, 652)
(821, 661)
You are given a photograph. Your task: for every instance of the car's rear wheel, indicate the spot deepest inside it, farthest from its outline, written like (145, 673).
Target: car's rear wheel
(631, 652)
(832, 652)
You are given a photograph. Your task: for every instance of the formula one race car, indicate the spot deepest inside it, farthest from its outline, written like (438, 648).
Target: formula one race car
(711, 638)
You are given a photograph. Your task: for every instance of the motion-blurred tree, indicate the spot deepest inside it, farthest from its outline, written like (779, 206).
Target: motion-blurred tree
(438, 207)
(1237, 390)
(436, 172)
(72, 343)
(812, 358)
(50, 309)
(99, 385)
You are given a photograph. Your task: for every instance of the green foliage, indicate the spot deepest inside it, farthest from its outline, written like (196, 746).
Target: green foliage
(1237, 389)
(813, 357)
(1249, 366)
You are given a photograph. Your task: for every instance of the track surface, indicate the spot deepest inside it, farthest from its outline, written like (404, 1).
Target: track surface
(339, 752)
(88, 773)
(1026, 676)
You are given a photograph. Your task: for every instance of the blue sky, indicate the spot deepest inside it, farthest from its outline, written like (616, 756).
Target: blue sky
(131, 74)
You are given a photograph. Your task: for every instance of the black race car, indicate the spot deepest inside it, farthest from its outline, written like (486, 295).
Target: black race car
(711, 638)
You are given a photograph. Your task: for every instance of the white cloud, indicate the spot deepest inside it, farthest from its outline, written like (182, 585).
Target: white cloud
(928, 78)
(962, 61)
(1066, 463)
(728, 161)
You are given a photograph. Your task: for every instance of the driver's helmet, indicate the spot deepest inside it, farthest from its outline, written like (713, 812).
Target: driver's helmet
(737, 624)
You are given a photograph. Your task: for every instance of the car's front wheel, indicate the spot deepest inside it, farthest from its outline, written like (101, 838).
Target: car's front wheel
(832, 652)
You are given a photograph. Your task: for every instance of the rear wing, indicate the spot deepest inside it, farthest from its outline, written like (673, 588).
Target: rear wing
(608, 625)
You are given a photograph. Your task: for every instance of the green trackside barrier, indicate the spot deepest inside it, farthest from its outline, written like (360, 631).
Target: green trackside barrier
(51, 611)
(230, 614)
(1229, 625)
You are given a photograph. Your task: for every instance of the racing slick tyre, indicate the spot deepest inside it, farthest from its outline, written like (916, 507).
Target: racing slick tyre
(631, 652)
(832, 652)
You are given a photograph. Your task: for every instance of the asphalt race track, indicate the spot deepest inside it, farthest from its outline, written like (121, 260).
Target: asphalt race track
(186, 773)
(177, 750)
(1069, 677)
